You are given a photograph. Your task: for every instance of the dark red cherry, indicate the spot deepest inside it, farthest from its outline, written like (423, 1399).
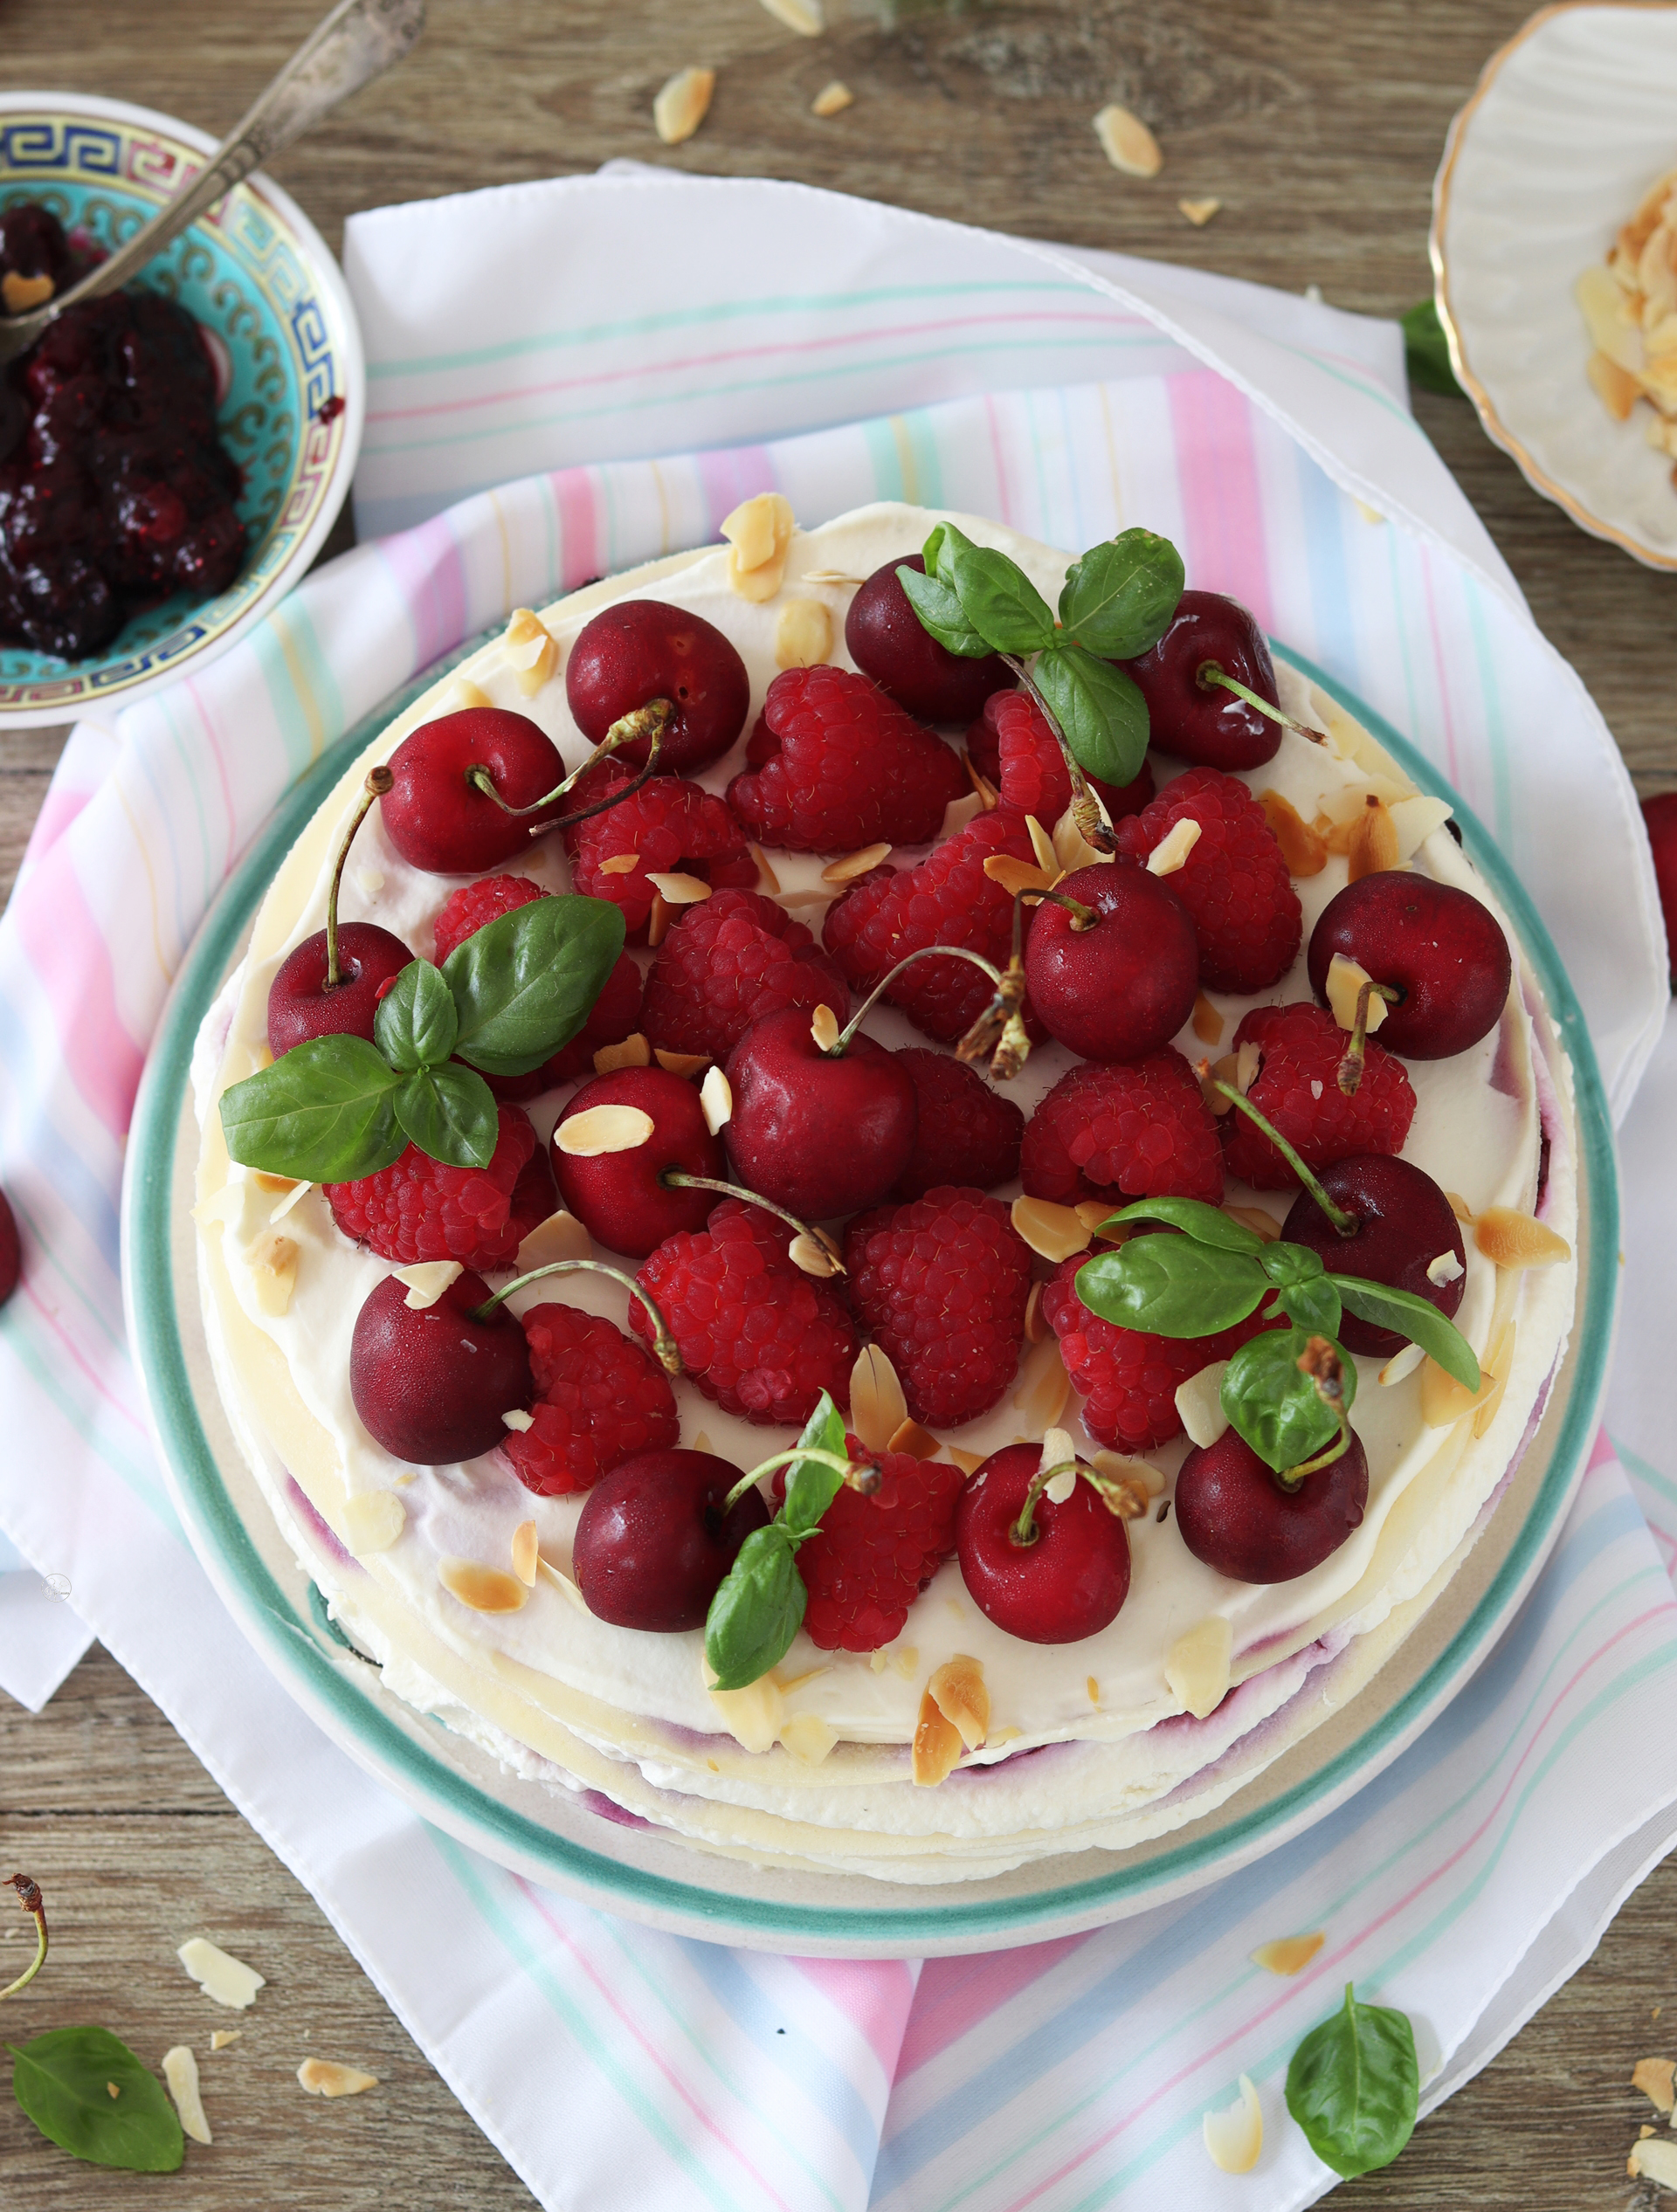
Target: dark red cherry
(1067, 1584)
(1190, 714)
(300, 1004)
(1404, 1223)
(11, 1264)
(643, 649)
(620, 1197)
(438, 819)
(887, 642)
(1443, 951)
(654, 1540)
(819, 1134)
(1119, 987)
(430, 1382)
(1235, 1516)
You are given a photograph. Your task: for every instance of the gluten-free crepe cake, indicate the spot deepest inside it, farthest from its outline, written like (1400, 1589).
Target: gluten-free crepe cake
(1198, 1683)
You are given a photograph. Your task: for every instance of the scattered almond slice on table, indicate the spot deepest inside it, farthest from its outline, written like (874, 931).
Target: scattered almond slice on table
(832, 100)
(228, 1980)
(1199, 212)
(682, 104)
(181, 2075)
(326, 2077)
(804, 17)
(1654, 2078)
(1127, 142)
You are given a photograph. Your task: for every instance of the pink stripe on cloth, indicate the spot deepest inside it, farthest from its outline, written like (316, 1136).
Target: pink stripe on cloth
(1222, 500)
(66, 948)
(430, 573)
(728, 477)
(874, 1994)
(59, 810)
(954, 1994)
(581, 558)
(1601, 1453)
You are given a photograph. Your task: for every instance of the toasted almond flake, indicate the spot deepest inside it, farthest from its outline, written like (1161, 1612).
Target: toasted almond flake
(276, 1183)
(21, 293)
(1653, 2161)
(1059, 1487)
(1234, 2136)
(1459, 1208)
(1501, 1366)
(981, 785)
(485, 1590)
(220, 2037)
(1172, 850)
(372, 1521)
(759, 532)
(753, 1716)
(1054, 1232)
(1043, 845)
(1057, 1445)
(855, 863)
(426, 1280)
(808, 1738)
(1445, 1401)
(1288, 1954)
(602, 1129)
(814, 1254)
(1196, 1665)
(918, 1443)
(959, 813)
(767, 879)
(820, 895)
(1654, 2078)
(677, 890)
(682, 103)
(1015, 875)
(936, 1746)
(532, 651)
(1199, 212)
(1301, 848)
(225, 1979)
(1200, 1404)
(1035, 1326)
(803, 16)
(273, 1262)
(295, 1196)
(833, 99)
(516, 1419)
(560, 1581)
(803, 634)
(1239, 1068)
(876, 1662)
(1345, 980)
(680, 1062)
(1513, 1239)
(1443, 1268)
(1372, 846)
(658, 922)
(620, 864)
(326, 2077)
(560, 1237)
(1094, 1214)
(1208, 1022)
(1044, 1386)
(824, 1028)
(878, 1407)
(633, 1052)
(181, 2074)
(1118, 1467)
(1415, 820)
(716, 1101)
(957, 1690)
(1401, 1366)
(526, 1553)
(968, 1462)
(1255, 1218)
(1127, 142)
(462, 694)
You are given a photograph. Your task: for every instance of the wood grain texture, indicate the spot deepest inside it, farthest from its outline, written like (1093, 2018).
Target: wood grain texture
(1319, 128)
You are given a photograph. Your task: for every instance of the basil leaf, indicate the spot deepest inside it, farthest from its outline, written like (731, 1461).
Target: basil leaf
(1275, 1405)
(1354, 2086)
(939, 549)
(1415, 1317)
(524, 985)
(415, 1024)
(939, 614)
(1287, 1263)
(321, 1113)
(451, 1114)
(999, 600)
(1119, 598)
(1100, 709)
(810, 1488)
(59, 2080)
(758, 1611)
(1205, 1224)
(1171, 1286)
(1312, 1305)
(1426, 351)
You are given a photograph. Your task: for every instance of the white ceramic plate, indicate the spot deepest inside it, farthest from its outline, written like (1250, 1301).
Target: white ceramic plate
(1571, 123)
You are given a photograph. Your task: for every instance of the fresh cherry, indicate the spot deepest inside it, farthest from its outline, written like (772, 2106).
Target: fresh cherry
(1189, 711)
(657, 1536)
(1441, 952)
(887, 642)
(430, 1382)
(441, 817)
(1238, 1518)
(1054, 1574)
(621, 1198)
(11, 1263)
(1112, 962)
(1401, 1223)
(821, 1131)
(1661, 815)
(330, 984)
(645, 649)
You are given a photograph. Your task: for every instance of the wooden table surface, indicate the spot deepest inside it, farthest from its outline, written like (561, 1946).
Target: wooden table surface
(1319, 126)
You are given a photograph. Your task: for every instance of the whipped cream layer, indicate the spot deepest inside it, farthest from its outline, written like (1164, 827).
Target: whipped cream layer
(811, 1766)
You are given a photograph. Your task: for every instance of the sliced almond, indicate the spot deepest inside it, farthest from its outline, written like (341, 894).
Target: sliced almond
(526, 1553)
(1196, 1665)
(1445, 1401)
(1372, 846)
(1234, 2136)
(1501, 1366)
(1401, 1366)
(1415, 820)
(855, 863)
(1208, 1022)
(1653, 2161)
(1054, 1232)
(833, 99)
(1017, 876)
(20, 293)
(658, 922)
(1035, 1327)
(1072, 849)
(1199, 212)
(1119, 1466)
(680, 1062)
(181, 2074)
(1654, 2078)
(754, 1716)
(767, 879)
(957, 1690)
(677, 890)
(759, 532)
(682, 104)
(462, 694)
(518, 1421)
(1444, 1267)
(1345, 980)
(1093, 1689)
(716, 1101)
(632, 1052)
(981, 784)
(485, 1590)
(813, 1252)
(878, 1407)
(959, 813)
(1127, 142)
(803, 634)
(1303, 851)
(547, 1571)
(968, 1462)
(295, 1196)
(601, 1129)
(1172, 851)
(808, 1738)
(1043, 845)
(1044, 1386)
(273, 1262)
(1255, 1218)
(824, 1028)
(1459, 1208)
(803, 16)
(532, 650)
(1513, 1239)
(1199, 1404)
(620, 864)
(560, 1237)
(1288, 1954)
(372, 1521)
(224, 1978)
(426, 1280)
(326, 2077)
(918, 1443)
(220, 2037)
(937, 1745)
(1095, 1213)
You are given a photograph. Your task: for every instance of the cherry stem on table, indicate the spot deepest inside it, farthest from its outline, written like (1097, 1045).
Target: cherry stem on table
(1209, 674)
(663, 1343)
(1087, 810)
(1350, 1067)
(859, 1474)
(1346, 1224)
(28, 1897)
(678, 1179)
(648, 721)
(379, 781)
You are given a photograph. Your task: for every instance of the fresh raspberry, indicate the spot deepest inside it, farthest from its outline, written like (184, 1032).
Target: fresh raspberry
(872, 1556)
(755, 1334)
(1139, 1131)
(834, 764)
(964, 1132)
(474, 906)
(600, 1397)
(948, 899)
(1297, 1089)
(1023, 769)
(674, 828)
(942, 1286)
(419, 1209)
(1127, 1378)
(1234, 883)
(730, 960)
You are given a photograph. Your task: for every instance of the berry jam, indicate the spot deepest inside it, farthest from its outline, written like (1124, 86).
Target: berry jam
(115, 490)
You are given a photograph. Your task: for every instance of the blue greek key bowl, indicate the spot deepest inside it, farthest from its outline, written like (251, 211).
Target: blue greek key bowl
(258, 277)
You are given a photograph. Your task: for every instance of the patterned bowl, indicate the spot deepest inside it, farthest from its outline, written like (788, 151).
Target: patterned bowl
(257, 276)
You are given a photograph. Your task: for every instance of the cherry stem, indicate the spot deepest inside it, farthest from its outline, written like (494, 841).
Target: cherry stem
(944, 951)
(379, 781)
(1346, 1224)
(1087, 810)
(678, 1179)
(857, 1473)
(1350, 1067)
(28, 1897)
(1082, 917)
(1320, 1362)
(1208, 674)
(1025, 1531)
(663, 1343)
(1290, 1478)
(648, 721)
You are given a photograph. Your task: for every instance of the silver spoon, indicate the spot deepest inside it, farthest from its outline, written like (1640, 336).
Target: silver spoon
(355, 43)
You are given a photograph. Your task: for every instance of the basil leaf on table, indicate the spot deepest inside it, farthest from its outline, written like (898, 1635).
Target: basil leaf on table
(415, 1024)
(1171, 1286)
(524, 985)
(448, 1112)
(1275, 1405)
(1415, 1317)
(60, 2080)
(940, 614)
(1205, 1224)
(1100, 709)
(1426, 351)
(999, 600)
(1354, 2086)
(321, 1113)
(811, 1487)
(1119, 598)
(757, 1611)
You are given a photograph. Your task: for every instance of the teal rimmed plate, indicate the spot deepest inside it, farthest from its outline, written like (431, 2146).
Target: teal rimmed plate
(258, 277)
(556, 1839)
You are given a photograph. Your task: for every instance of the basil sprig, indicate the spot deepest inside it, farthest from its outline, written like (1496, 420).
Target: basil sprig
(505, 999)
(1116, 603)
(1354, 2086)
(63, 2080)
(759, 1608)
(1218, 1271)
